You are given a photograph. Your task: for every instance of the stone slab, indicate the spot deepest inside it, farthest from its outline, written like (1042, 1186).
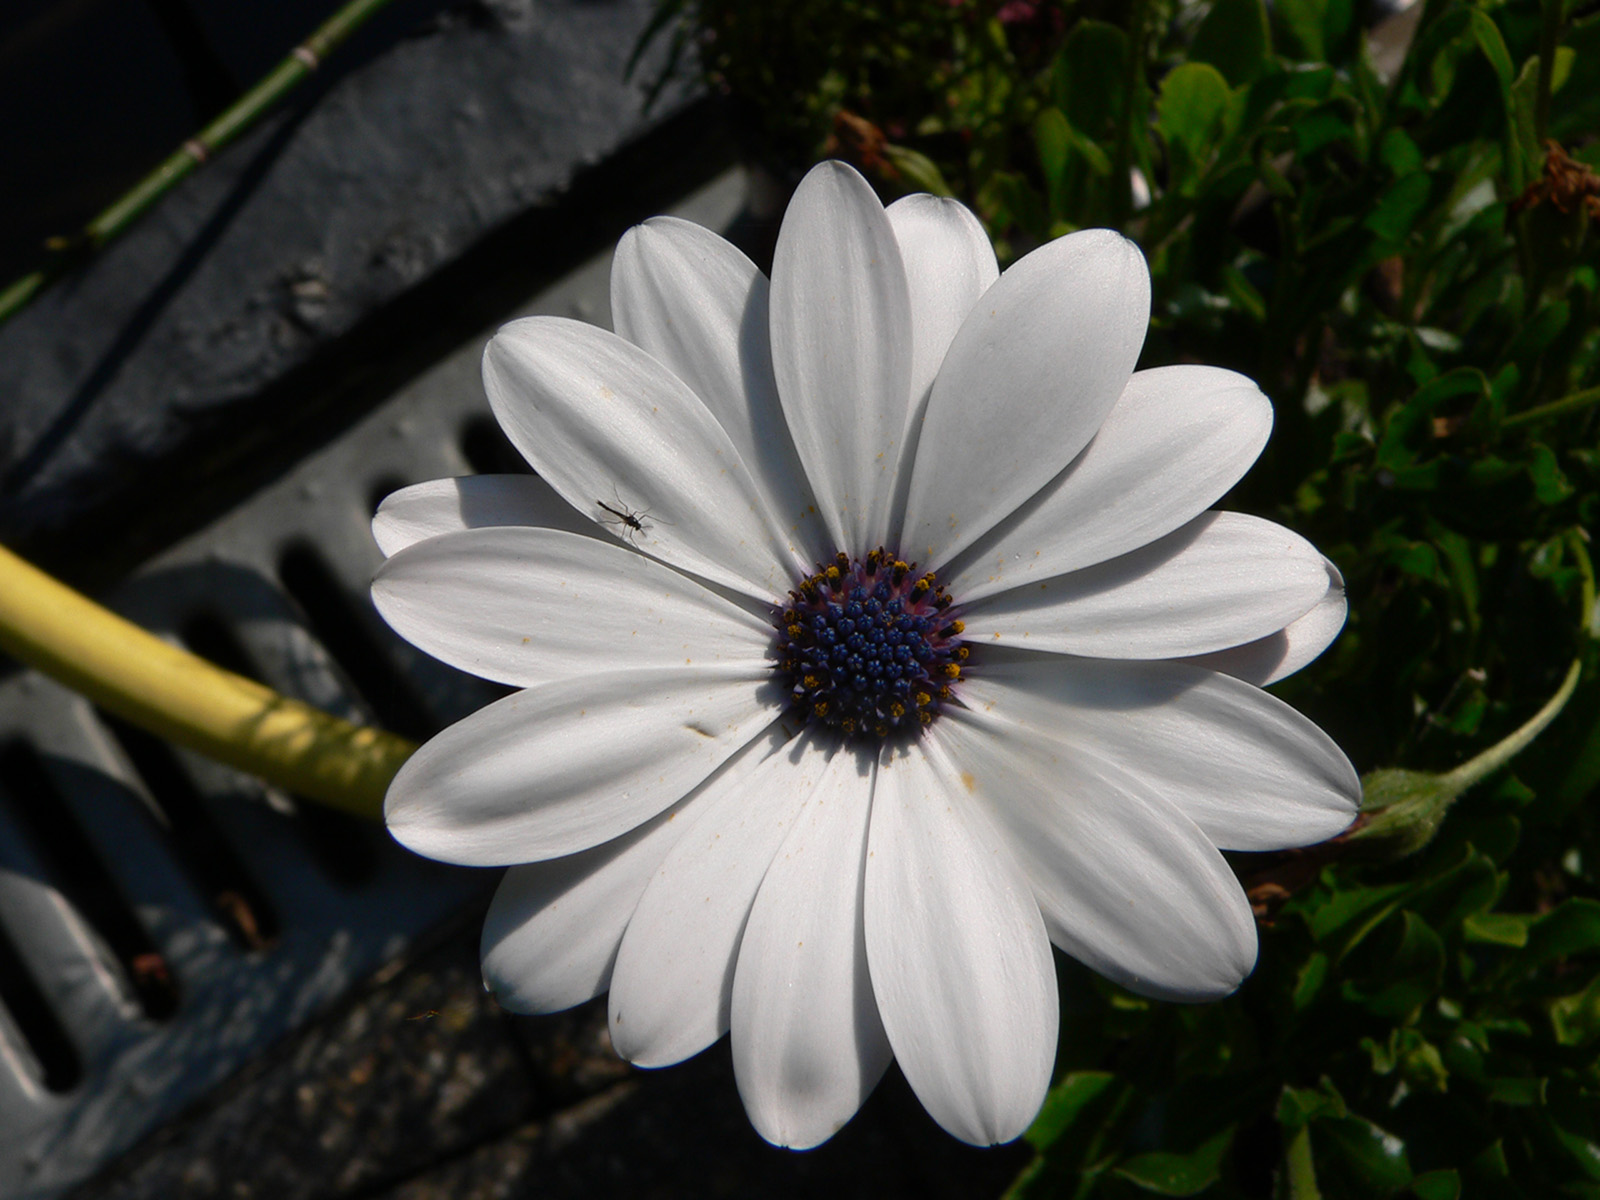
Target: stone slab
(365, 228)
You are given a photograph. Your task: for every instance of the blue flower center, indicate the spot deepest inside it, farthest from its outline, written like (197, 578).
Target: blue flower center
(869, 647)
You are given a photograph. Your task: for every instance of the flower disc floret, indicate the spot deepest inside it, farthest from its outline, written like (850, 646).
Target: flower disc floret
(869, 647)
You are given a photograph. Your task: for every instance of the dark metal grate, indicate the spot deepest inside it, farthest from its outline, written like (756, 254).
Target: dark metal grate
(164, 919)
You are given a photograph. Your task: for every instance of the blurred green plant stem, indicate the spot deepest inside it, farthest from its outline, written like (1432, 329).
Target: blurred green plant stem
(185, 699)
(308, 56)
(1576, 402)
(1403, 809)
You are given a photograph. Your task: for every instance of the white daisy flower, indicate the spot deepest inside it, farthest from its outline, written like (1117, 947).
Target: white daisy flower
(882, 640)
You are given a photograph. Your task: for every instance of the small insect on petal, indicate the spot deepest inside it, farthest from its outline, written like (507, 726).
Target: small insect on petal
(630, 521)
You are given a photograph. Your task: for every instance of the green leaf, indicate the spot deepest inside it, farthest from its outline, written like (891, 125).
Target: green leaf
(1089, 78)
(1302, 24)
(1052, 135)
(1308, 982)
(1491, 1162)
(1403, 972)
(1519, 1091)
(1550, 486)
(1487, 34)
(1191, 116)
(1469, 885)
(1320, 127)
(1243, 293)
(1584, 1152)
(1437, 1185)
(1235, 39)
(1298, 1107)
(1542, 328)
(1576, 1018)
(1374, 1159)
(1065, 1104)
(1399, 153)
(1523, 151)
(1457, 553)
(1418, 559)
(1443, 46)
(1572, 927)
(1496, 929)
(1416, 1058)
(1361, 907)
(1168, 1174)
(1409, 429)
(917, 169)
(1399, 208)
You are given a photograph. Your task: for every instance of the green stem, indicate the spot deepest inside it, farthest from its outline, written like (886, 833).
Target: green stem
(182, 698)
(1480, 766)
(1549, 38)
(1556, 408)
(301, 61)
(1089, 1177)
(1122, 161)
(1578, 541)
(1584, 772)
(1405, 808)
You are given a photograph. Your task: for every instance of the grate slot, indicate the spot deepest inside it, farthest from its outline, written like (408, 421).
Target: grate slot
(54, 1055)
(342, 845)
(215, 864)
(336, 621)
(78, 872)
(204, 853)
(485, 446)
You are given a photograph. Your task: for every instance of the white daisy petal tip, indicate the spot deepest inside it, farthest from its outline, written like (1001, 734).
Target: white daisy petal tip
(841, 328)
(812, 807)
(1033, 372)
(1280, 654)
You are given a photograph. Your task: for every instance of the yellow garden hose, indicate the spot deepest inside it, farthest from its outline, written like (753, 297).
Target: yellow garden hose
(185, 699)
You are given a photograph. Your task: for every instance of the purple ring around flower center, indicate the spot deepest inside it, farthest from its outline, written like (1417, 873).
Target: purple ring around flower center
(869, 647)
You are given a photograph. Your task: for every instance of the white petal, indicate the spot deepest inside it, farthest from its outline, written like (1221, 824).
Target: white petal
(1223, 579)
(1281, 654)
(1177, 439)
(524, 606)
(605, 423)
(699, 306)
(426, 510)
(949, 265)
(959, 954)
(1030, 377)
(841, 349)
(808, 1047)
(1128, 885)
(672, 990)
(567, 765)
(1249, 770)
(552, 930)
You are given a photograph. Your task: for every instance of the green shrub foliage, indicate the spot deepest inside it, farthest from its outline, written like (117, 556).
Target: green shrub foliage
(1388, 223)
